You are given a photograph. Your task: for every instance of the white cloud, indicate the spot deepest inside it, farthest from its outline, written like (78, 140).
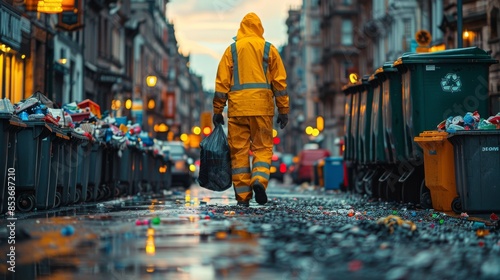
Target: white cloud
(204, 28)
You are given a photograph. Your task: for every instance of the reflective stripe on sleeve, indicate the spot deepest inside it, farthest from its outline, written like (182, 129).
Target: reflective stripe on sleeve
(281, 93)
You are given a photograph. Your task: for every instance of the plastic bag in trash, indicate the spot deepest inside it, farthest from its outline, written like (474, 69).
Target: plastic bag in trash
(6, 106)
(215, 161)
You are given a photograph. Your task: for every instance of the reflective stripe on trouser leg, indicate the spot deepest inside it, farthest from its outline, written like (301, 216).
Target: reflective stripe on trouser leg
(261, 133)
(239, 143)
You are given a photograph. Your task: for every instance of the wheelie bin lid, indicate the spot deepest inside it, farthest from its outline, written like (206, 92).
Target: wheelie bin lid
(462, 55)
(16, 122)
(374, 79)
(431, 136)
(59, 134)
(357, 86)
(5, 116)
(477, 132)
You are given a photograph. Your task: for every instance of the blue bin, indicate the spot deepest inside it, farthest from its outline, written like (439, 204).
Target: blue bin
(333, 172)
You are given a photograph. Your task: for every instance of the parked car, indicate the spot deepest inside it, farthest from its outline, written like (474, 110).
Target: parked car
(278, 167)
(288, 160)
(306, 160)
(181, 173)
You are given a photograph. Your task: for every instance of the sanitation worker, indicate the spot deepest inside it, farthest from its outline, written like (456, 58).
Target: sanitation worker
(251, 78)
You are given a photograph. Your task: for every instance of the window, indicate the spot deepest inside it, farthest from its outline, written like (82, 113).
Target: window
(346, 38)
(347, 2)
(346, 70)
(315, 26)
(494, 23)
(407, 36)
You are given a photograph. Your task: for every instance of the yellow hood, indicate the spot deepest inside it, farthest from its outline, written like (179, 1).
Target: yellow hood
(250, 26)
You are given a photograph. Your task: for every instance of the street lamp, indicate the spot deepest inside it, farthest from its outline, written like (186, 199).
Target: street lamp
(151, 80)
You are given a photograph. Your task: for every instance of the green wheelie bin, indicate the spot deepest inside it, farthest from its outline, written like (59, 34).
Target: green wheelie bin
(351, 109)
(377, 160)
(389, 187)
(436, 86)
(365, 99)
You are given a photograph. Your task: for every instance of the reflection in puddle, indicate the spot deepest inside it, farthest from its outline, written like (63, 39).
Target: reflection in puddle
(130, 239)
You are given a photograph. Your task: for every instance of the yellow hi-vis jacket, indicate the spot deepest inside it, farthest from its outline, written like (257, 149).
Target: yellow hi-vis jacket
(251, 75)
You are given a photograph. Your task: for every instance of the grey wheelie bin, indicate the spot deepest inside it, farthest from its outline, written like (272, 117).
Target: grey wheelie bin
(30, 160)
(436, 86)
(67, 177)
(59, 140)
(124, 161)
(83, 170)
(477, 165)
(95, 170)
(137, 167)
(148, 166)
(49, 170)
(9, 126)
(107, 179)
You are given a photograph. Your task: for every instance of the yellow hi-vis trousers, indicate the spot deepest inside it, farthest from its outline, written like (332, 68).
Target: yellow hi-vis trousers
(247, 133)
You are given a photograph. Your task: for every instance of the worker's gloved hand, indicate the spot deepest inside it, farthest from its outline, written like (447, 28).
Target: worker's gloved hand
(218, 119)
(282, 120)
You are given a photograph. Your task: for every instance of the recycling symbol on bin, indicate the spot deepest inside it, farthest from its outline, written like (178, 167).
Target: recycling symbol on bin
(451, 83)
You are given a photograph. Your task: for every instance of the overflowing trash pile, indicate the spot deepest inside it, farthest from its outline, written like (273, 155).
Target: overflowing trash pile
(73, 134)
(470, 121)
(84, 118)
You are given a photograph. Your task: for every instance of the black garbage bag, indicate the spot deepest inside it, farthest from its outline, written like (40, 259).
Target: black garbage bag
(215, 161)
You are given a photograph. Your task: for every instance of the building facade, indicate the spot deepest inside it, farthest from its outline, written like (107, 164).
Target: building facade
(109, 52)
(357, 37)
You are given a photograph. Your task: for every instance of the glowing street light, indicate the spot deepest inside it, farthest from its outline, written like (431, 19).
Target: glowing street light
(151, 80)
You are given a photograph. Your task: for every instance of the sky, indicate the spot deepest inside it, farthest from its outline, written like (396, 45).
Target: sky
(205, 28)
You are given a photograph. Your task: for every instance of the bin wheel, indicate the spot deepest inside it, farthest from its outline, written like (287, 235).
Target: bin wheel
(381, 190)
(25, 202)
(426, 200)
(369, 187)
(78, 194)
(117, 192)
(359, 183)
(106, 191)
(100, 194)
(394, 191)
(57, 202)
(456, 205)
(90, 195)
(425, 196)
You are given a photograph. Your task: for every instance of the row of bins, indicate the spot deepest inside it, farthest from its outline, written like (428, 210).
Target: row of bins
(45, 166)
(384, 111)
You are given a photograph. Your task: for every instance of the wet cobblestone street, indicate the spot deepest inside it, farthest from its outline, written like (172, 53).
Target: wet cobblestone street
(302, 233)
